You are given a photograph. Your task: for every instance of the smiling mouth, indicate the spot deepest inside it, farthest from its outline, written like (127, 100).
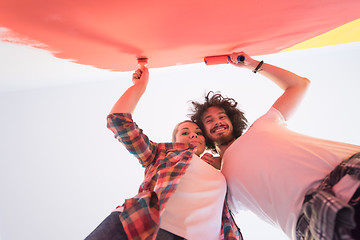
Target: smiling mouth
(218, 129)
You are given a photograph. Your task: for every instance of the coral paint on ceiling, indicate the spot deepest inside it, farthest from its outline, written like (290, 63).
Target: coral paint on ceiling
(112, 34)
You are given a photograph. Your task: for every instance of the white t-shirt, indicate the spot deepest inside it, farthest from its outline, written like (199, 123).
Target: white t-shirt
(269, 169)
(194, 210)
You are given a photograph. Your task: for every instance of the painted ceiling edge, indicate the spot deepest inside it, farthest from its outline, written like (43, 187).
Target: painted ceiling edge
(101, 48)
(347, 33)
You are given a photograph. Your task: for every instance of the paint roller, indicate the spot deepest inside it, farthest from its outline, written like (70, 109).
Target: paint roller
(221, 59)
(142, 61)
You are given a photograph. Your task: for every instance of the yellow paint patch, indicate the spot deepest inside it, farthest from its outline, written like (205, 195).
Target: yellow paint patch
(346, 33)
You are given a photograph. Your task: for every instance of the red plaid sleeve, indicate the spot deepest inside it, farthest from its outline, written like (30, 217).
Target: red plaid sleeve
(229, 229)
(132, 137)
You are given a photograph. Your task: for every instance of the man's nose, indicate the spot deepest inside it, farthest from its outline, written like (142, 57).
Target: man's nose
(218, 122)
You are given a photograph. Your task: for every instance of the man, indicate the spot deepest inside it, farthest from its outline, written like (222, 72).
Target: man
(270, 169)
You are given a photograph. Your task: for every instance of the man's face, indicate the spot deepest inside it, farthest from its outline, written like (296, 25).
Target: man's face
(218, 126)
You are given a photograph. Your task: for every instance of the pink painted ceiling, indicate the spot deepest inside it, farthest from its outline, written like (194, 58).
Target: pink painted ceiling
(111, 34)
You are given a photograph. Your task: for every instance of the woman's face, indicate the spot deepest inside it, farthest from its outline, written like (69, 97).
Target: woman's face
(190, 133)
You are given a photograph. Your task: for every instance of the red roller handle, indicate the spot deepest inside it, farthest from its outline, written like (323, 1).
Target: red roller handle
(221, 59)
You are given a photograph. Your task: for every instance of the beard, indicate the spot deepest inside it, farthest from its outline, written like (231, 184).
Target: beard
(223, 139)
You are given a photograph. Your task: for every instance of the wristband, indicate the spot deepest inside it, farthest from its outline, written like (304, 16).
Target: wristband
(258, 67)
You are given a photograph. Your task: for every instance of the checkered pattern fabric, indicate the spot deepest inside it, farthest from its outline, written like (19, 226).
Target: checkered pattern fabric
(164, 165)
(323, 216)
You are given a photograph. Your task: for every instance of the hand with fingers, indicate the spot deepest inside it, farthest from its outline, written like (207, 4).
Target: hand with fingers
(235, 56)
(247, 62)
(213, 161)
(141, 75)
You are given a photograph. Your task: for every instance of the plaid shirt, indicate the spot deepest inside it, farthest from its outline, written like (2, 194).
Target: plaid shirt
(164, 165)
(323, 216)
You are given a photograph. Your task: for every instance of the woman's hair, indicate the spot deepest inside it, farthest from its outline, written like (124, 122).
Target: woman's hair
(176, 129)
(236, 116)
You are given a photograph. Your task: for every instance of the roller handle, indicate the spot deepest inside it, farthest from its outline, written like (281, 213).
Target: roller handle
(142, 61)
(221, 59)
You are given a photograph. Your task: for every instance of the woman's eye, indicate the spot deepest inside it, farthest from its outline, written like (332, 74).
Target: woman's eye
(184, 133)
(199, 133)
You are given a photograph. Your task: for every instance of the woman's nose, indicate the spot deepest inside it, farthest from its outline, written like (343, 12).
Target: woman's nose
(193, 135)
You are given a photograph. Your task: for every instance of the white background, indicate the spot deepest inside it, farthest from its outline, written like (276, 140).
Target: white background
(62, 172)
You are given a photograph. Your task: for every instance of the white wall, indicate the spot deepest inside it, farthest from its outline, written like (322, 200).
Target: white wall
(62, 171)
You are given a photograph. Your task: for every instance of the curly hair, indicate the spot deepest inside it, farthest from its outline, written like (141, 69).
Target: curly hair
(212, 99)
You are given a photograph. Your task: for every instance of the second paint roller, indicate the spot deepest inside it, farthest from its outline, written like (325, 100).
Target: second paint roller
(221, 59)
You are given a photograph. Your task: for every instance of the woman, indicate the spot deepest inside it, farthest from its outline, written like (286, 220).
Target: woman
(181, 197)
